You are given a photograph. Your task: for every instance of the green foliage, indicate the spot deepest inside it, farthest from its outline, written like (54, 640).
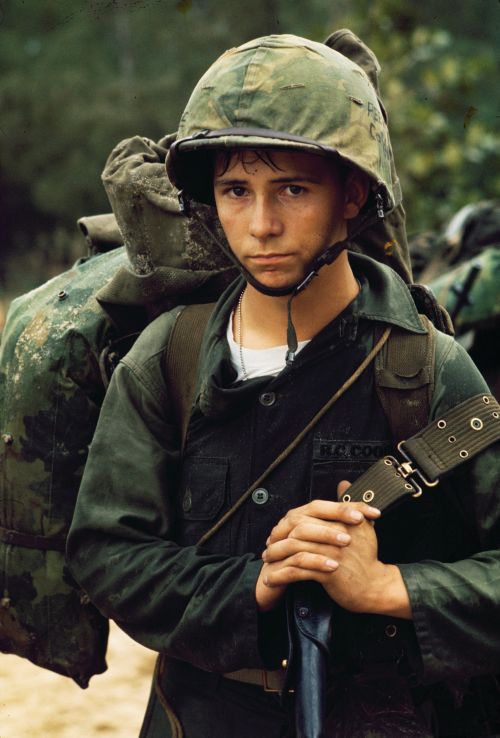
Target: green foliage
(442, 103)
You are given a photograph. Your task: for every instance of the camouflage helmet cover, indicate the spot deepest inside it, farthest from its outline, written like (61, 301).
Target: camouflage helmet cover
(283, 91)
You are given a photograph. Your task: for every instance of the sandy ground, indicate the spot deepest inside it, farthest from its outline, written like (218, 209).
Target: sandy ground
(35, 703)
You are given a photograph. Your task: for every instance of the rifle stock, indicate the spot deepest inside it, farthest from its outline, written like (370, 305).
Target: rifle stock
(310, 613)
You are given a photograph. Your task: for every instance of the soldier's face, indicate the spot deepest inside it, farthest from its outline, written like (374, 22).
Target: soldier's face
(282, 211)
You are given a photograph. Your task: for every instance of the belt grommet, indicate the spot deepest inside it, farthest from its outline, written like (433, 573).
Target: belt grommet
(346, 498)
(464, 453)
(452, 439)
(476, 424)
(368, 495)
(387, 462)
(495, 415)
(441, 424)
(486, 400)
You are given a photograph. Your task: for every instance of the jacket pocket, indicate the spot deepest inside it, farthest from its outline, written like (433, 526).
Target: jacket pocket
(204, 488)
(337, 459)
(202, 496)
(325, 477)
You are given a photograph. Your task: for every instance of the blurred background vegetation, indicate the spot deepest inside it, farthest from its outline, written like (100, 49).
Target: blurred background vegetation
(80, 76)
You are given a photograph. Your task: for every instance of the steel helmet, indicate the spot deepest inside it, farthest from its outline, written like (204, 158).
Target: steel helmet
(287, 92)
(283, 91)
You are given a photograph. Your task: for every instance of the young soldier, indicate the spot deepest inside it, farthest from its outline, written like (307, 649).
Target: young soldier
(286, 137)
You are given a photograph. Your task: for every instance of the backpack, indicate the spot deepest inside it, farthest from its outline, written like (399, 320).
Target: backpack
(59, 347)
(51, 389)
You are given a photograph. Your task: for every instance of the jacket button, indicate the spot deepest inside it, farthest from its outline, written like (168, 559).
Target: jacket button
(187, 501)
(267, 399)
(390, 630)
(260, 496)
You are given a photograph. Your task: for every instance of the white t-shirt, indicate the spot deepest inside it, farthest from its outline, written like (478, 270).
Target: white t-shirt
(258, 362)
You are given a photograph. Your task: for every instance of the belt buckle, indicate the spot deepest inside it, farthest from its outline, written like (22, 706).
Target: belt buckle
(275, 690)
(267, 687)
(407, 470)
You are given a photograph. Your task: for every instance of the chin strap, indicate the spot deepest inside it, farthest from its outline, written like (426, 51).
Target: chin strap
(327, 257)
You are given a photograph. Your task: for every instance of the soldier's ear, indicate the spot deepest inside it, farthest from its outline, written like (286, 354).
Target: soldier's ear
(356, 193)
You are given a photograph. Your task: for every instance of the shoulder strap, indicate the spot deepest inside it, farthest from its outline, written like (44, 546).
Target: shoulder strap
(435, 451)
(182, 357)
(404, 379)
(427, 304)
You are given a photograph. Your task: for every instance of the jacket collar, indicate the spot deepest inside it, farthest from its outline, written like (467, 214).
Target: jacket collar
(384, 298)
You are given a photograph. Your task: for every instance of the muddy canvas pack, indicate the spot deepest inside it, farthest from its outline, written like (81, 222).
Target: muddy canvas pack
(50, 393)
(60, 344)
(58, 350)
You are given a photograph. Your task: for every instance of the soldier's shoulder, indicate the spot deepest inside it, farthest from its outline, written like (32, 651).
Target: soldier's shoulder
(153, 340)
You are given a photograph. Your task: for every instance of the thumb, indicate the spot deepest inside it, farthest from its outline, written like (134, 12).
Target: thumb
(342, 487)
(370, 513)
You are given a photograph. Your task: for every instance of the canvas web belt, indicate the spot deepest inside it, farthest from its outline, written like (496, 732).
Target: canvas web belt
(436, 450)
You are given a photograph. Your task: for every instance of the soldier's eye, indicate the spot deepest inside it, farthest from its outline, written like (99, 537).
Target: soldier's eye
(295, 189)
(237, 191)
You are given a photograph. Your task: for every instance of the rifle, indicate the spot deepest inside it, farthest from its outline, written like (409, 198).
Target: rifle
(310, 622)
(463, 289)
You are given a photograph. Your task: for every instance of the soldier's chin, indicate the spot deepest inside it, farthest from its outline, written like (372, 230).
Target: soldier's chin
(274, 279)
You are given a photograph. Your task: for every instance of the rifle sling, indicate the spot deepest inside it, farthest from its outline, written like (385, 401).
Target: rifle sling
(436, 450)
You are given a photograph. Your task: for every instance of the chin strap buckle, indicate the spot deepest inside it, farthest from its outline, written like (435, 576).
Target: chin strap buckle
(379, 200)
(184, 204)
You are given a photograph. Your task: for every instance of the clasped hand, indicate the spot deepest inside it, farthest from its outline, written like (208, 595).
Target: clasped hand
(335, 544)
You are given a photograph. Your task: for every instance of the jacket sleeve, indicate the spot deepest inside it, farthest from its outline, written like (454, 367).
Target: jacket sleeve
(456, 605)
(194, 605)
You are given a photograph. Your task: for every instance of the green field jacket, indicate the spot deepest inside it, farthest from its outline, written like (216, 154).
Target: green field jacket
(140, 512)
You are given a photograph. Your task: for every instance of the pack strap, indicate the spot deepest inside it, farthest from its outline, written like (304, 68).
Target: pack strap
(181, 359)
(435, 451)
(404, 379)
(27, 540)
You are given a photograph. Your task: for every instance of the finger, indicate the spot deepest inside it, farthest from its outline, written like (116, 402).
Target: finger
(344, 512)
(342, 488)
(282, 551)
(300, 567)
(316, 531)
(349, 513)
(288, 522)
(369, 512)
